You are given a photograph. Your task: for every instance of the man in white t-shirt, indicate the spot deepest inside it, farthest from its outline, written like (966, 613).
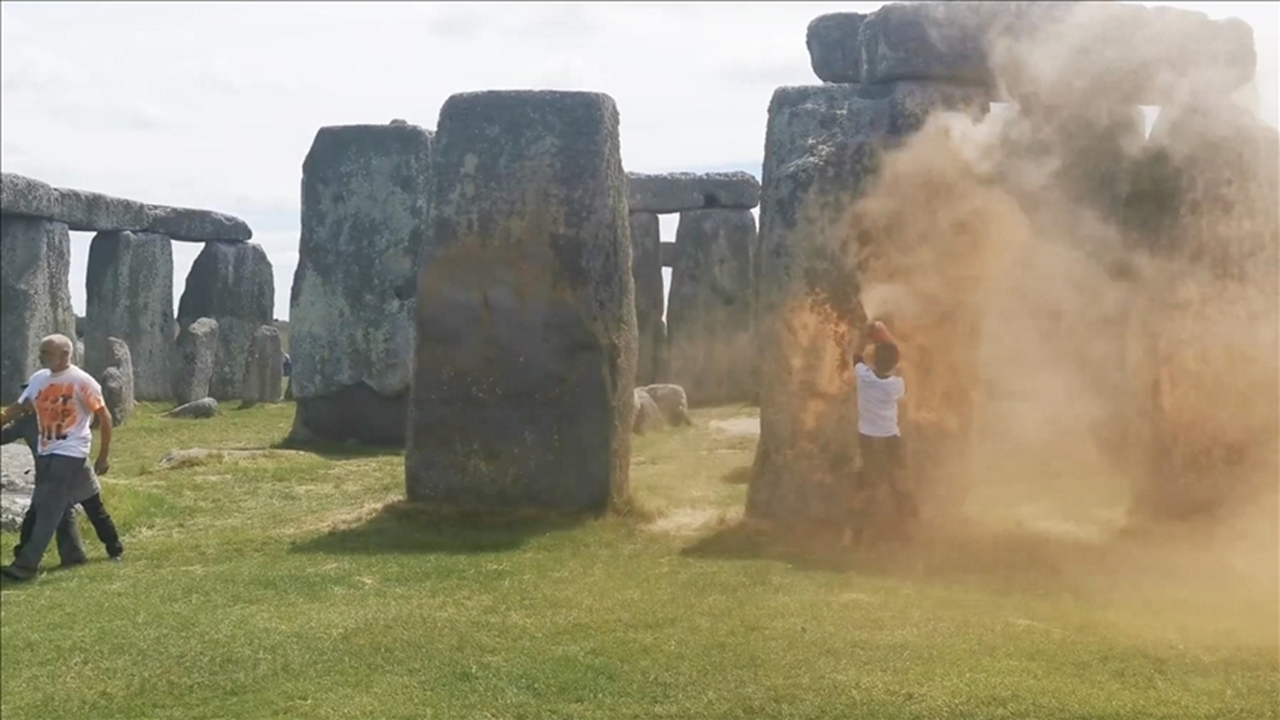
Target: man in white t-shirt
(65, 400)
(879, 389)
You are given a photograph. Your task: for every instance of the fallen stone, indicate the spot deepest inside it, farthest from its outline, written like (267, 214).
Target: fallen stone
(129, 295)
(676, 192)
(234, 285)
(17, 479)
(648, 416)
(646, 271)
(526, 334)
(364, 212)
(264, 369)
(201, 409)
(672, 401)
(35, 295)
(709, 322)
(87, 211)
(194, 354)
(195, 457)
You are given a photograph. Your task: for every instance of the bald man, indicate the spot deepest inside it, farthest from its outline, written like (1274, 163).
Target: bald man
(65, 400)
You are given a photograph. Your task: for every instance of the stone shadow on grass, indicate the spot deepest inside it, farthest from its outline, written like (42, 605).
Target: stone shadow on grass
(404, 528)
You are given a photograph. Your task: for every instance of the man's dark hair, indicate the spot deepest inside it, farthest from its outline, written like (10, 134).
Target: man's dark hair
(886, 357)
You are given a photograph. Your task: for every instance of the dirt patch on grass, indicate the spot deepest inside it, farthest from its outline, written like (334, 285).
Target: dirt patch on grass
(737, 427)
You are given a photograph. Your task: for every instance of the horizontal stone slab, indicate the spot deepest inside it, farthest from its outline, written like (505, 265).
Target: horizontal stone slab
(667, 254)
(1137, 54)
(94, 212)
(677, 192)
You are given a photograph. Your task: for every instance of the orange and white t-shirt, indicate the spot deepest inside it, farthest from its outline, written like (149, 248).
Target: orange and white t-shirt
(64, 404)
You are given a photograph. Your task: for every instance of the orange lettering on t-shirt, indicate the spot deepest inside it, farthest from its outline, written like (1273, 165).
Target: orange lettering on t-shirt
(55, 412)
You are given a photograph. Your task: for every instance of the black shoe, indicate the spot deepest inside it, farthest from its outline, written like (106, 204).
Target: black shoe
(18, 572)
(116, 555)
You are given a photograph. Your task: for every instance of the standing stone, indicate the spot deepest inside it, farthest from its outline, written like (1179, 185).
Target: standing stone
(232, 284)
(646, 270)
(129, 295)
(116, 377)
(526, 329)
(195, 350)
(35, 296)
(264, 371)
(78, 359)
(822, 148)
(364, 212)
(709, 321)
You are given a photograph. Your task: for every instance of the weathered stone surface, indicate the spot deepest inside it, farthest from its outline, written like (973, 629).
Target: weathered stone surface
(709, 340)
(526, 329)
(671, 401)
(364, 213)
(94, 212)
(194, 355)
(264, 368)
(112, 364)
(933, 41)
(835, 46)
(676, 192)
(667, 252)
(822, 148)
(35, 296)
(646, 270)
(17, 479)
(234, 285)
(355, 413)
(648, 416)
(201, 409)
(78, 358)
(129, 295)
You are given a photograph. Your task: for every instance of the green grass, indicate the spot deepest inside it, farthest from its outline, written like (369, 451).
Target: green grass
(289, 584)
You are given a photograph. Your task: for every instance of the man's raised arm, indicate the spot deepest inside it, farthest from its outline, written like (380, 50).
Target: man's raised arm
(14, 411)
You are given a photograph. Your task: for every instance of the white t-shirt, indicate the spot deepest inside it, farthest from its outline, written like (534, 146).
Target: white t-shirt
(64, 405)
(878, 402)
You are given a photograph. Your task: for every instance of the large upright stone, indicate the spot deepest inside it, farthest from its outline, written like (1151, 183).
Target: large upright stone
(526, 329)
(709, 341)
(35, 297)
(195, 353)
(232, 284)
(129, 295)
(822, 149)
(364, 213)
(646, 270)
(264, 369)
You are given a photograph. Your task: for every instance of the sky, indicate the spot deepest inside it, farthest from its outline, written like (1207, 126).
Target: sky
(214, 105)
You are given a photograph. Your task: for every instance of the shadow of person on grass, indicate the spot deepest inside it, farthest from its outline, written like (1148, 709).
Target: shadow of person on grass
(400, 527)
(338, 450)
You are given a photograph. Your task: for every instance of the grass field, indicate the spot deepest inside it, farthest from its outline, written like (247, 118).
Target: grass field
(287, 584)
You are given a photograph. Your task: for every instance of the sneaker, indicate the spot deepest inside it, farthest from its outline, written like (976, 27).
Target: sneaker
(18, 572)
(116, 558)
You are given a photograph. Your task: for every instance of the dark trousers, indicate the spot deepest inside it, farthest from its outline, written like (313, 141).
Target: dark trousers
(98, 517)
(884, 465)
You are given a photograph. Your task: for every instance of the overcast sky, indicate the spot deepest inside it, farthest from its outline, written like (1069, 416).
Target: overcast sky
(215, 105)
